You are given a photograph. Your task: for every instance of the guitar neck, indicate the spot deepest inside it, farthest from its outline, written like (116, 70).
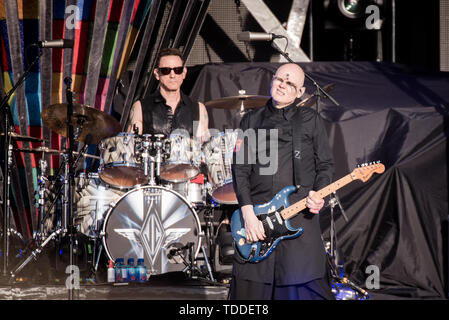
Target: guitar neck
(297, 207)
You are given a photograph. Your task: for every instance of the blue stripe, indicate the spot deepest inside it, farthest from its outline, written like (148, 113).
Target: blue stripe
(58, 9)
(29, 33)
(4, 32)
(85, 7)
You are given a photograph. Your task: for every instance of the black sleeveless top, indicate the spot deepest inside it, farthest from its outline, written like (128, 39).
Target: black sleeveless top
(158, 117)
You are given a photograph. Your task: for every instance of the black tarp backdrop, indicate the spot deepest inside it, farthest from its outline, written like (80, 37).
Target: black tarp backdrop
(397, 220)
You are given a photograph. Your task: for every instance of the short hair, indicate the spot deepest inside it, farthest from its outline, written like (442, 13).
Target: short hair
(169, 52)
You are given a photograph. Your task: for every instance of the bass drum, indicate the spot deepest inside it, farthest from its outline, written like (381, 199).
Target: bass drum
(154, 223)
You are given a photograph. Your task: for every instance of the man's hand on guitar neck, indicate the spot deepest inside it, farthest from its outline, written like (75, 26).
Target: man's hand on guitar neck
(314, 203)
(253, 226)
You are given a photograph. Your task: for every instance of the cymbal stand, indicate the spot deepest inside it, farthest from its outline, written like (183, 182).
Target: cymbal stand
(64, 227)
(67, 219)
(42, 186)
(210, 232)
(7, 161)
(337, 261)
(42, 181)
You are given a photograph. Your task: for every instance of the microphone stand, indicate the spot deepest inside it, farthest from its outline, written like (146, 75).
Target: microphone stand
(334, 255)
(319, 89)
(7, 161)
(67, 220)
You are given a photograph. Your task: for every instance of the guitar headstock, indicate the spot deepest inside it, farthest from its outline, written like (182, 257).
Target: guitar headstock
(365, 171)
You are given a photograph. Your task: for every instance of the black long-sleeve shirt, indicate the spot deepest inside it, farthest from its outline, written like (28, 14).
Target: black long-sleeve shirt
(269, 167)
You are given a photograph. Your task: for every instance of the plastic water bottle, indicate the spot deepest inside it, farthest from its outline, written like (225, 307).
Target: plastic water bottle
(141, 270)
(131, 270)
(124, 271)
(118, 269)
(111, 272)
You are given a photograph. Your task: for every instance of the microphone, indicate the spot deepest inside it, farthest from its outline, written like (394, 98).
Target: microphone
(174, 252)
(60, 43)
(257, 36)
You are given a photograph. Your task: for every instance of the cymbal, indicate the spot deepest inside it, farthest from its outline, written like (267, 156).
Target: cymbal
(52, 151)
(19, 137)
(311, 100)
(238, 102)
(93, 122)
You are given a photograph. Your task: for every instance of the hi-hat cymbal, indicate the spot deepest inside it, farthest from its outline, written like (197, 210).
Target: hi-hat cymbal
(241, 102)
(19, 137)
(311, 100)
(52, 151)
(91, 121)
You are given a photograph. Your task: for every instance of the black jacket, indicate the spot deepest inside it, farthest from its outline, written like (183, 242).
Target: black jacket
(297, 260)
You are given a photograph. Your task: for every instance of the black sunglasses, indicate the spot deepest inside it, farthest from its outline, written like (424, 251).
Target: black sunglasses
(166, 71)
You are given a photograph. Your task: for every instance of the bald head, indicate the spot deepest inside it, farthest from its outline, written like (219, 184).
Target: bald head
(293, 72)
(287, 84)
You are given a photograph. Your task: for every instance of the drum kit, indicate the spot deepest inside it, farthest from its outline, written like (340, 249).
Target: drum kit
(152, 197)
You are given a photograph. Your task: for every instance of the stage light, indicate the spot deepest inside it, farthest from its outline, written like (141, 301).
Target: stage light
(352, 9)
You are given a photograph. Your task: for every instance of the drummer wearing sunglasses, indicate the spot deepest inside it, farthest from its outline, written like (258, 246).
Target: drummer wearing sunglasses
(169, 108)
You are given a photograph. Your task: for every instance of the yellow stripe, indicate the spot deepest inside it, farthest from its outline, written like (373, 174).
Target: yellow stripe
(28, 9)
(7, 85)
(130, 41)
(2, 10)
(56, 88)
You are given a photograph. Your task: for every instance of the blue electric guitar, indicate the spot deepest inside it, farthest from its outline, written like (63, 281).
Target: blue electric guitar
(276, 213)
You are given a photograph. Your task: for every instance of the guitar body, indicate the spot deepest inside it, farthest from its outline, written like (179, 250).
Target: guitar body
(276, 228)
(275, 215)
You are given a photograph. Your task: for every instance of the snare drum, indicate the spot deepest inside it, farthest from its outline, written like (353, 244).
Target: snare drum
(120, 164)
(193, 190)
(93, 199)
(184, 160)
(218, 154)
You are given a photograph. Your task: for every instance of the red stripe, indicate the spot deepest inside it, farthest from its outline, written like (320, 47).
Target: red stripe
(80, 47)
(136, 7)
(5, 65)
(115, 11)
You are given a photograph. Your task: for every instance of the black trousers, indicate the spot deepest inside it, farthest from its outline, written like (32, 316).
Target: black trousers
(318, 289)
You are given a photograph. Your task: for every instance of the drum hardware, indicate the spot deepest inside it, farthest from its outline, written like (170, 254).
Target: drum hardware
(42, 181)
(18, 137)
(55, 151)
(43, 189)
(337, 264)
(206, 260)
(191, 269)
(7, 161)
(208, 215)
(163, 148)
(66, 227)
(152, 164)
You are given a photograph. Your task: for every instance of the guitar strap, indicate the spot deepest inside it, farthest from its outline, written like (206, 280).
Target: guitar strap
(296, 123)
